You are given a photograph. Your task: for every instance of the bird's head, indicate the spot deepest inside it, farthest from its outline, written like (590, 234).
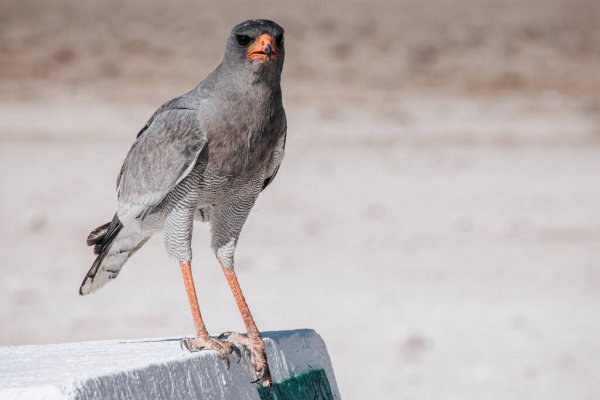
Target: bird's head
(256, 44)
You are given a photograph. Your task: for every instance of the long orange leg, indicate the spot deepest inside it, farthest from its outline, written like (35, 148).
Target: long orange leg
(190, 289)
(254, 341)
(202, 339)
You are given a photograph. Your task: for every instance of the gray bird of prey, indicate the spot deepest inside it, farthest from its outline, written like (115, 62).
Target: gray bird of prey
(205, 155)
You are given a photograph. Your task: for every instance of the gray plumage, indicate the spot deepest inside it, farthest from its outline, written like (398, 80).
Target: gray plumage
(205, 155)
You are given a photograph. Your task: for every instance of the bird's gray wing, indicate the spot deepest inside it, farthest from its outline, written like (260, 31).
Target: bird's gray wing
(275, 161)
(164, 153)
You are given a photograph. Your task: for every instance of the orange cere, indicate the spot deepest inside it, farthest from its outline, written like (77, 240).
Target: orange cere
(257, 49)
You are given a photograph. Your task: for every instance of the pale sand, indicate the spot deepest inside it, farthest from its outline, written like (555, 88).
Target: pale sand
(438, 224)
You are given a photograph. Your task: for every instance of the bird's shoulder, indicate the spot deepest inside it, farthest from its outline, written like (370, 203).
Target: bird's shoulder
(190, 102)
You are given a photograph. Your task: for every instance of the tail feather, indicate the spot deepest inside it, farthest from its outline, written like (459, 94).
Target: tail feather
(97, 235)
(114, 244)
(102, 236)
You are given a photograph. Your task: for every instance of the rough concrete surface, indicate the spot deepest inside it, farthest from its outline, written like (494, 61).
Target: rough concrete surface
(152, 368)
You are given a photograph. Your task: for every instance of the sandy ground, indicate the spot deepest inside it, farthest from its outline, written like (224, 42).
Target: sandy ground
(436, 219)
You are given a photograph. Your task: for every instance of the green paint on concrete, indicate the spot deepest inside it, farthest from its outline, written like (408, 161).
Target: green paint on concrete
(312, 385)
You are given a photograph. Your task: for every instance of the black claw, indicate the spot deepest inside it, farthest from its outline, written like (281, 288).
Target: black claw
(184, 343)
(224, 335)
(261, 375)
(191, 349)
(237, 351)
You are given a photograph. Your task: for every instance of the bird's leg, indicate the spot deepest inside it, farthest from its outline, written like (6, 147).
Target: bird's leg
(254, 341)
(202, 339)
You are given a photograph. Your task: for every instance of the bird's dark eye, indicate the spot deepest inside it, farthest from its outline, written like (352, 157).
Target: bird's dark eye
(279, 39)
(243, 40)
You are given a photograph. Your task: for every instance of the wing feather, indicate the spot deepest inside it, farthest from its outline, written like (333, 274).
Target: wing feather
(275, 161)
(164, 153)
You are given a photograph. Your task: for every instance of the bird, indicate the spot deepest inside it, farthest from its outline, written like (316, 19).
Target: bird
(204, 156)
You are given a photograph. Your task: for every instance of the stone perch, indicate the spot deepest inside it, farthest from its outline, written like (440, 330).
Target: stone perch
(160, 369)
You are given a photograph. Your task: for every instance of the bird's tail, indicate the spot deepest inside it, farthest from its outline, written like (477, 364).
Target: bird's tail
(114, 244)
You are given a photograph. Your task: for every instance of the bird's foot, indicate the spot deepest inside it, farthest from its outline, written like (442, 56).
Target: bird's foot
(258, 355)
(222, 347)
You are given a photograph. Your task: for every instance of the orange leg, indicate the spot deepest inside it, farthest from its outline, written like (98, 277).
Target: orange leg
(241, 303)
(188, 280)
(254, 342)
(202, 340)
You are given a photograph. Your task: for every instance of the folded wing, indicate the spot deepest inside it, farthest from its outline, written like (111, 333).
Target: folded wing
(164, 153)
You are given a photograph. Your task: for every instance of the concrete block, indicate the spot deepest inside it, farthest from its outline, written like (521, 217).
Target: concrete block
(160, 369)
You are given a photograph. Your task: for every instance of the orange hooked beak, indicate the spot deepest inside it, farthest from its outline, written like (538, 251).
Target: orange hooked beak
(263, 48)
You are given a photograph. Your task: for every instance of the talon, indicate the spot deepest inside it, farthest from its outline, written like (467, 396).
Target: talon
(191, 348)
(253, 348)
(261, 375)
(237, 351)
(224, 335)
(184, 343)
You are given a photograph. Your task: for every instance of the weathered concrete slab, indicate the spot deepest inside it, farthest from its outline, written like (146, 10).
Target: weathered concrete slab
(160, 369)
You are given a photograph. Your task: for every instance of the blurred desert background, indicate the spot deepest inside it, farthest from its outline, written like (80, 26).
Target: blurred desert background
(436, 219)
